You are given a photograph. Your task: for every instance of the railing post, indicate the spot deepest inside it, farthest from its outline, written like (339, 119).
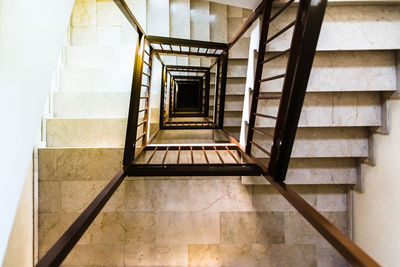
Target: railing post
(303, 46)
(223, 89)
(266, 14)
(163, 86)
(207, 94)
(216, 94)
(146, 116)
(133, 115)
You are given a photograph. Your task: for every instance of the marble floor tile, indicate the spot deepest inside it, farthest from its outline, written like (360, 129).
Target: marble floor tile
(188, 228)
(220, 255)
(252, 227)
(219, 195)
(102, 254)
(284, 255)
(156, 255)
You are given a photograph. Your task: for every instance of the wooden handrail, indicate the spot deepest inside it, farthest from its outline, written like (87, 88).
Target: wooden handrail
(247, 24)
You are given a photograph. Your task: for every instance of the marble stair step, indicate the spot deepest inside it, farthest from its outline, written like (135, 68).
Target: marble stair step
(95, 79)
(319, 109)
(99, 132)
(315, 171)
(320, 142)
(91, 104)
(102, 163)
(99, 56)
(310, 142)
(332, 71)
(179, 19)
(338, 34)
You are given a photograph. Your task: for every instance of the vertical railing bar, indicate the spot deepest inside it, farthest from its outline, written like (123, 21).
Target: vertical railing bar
(152, 155)
(219, 156)
(224, 73)
(131, 129)
(147, 105)
(205, 155)
(303, 46)
(266, 14)
(230, 153)
(179, 154)
(165, 155)
(191, 155)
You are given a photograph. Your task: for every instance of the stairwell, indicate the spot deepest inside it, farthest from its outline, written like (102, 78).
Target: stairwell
(210, 221)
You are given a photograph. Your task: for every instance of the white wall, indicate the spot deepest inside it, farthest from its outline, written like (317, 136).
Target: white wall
(31, 34)
(377, 209)
(20, 245)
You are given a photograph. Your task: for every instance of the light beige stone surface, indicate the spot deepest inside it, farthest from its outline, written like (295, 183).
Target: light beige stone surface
(96, 80)
(84, 13)
(218, 23)
(179, 24)
(324, 109)
(91, 104)
(188, 228)
(348, 28)
(157, 19)
(156, 255)
(199, 20)
(100, 57)
(220, 255)
(77, 164)
(86, 132)
(252, 227)
(315, 171)
(321, 142)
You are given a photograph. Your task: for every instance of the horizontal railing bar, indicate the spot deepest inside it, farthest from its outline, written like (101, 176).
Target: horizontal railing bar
(185, 42)
(143, 122)
(194, 146)
(287, 27)
(146, 52)
(280, 11)
(143, 110)
(273, 78)
(190, 164)
(276, 56)
(145, 85)
(261, 148)
(148, 75)
(146, 63)
(187, 53)
(265, 116)
(247, 24)
(140, 137)
(263, 133)
(129, 16)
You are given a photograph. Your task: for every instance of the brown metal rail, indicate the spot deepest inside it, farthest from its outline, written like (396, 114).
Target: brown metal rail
(193, 167)
(306, 30)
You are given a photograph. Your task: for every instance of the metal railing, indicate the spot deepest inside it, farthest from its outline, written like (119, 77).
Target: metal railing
(306, 31)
